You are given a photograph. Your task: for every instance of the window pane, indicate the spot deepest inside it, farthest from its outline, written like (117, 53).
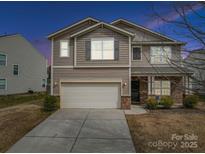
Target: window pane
(96, 50)
(157, 91)
(108, 49)
(157, 84)
(166, 84)
(64, 45)
(108, 54)
(2, 83)
(136, 53)
(64, 53)
(96, 45)
(64, 49)
(2, 59)
(160, 55)
(165, 91)
(108, 45)
(15, 69)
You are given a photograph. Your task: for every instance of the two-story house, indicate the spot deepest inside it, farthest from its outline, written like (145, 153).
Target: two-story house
(109, 65)
(22, 67)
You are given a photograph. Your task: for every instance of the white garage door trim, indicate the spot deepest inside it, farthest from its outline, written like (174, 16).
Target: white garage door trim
(114, 89)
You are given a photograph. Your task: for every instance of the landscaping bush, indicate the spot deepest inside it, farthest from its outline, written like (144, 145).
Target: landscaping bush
(30, 91)
(166, 102)
(190, 101)
(50, 103)
(151, 103)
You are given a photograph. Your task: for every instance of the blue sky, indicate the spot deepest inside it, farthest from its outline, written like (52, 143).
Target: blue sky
(35, 20)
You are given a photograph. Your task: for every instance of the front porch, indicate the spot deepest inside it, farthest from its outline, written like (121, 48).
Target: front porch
(143, 87)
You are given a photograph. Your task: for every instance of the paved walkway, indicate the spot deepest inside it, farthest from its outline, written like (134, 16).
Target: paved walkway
(79, 130)
(135, 110)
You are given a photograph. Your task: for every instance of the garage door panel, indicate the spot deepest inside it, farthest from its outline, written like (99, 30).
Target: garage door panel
(90, 95)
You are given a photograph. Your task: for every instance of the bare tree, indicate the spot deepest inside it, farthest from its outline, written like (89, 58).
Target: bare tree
(191, 29)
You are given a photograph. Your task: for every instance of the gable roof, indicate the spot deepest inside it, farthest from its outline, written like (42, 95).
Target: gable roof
(73, 25)
(144, 28)
(8, 35)
(105, 25)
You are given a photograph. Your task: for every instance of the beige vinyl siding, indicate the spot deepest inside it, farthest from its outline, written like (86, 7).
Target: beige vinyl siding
(65, 61)
(141, 35)
(144, 62)
(103, 33)
(98, 73)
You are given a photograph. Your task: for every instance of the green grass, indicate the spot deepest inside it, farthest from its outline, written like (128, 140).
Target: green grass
(10, 100)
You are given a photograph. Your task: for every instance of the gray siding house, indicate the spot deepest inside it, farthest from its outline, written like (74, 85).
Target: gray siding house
(111, 65)
(195, 61)
(22, 67)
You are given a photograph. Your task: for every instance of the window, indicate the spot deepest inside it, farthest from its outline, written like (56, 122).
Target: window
(64, 48)
(102, 49)
(15, 69)
(2, 60)
(161, 87)
(3, 84)
(44, 83)
(136, 53)
(160, 55)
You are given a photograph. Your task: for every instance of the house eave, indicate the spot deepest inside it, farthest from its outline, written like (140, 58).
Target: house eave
(142, 27)
(103, 25)
(68, 27)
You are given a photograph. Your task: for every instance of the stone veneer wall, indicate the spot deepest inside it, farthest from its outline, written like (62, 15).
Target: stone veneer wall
(125, 102)
(143, 88)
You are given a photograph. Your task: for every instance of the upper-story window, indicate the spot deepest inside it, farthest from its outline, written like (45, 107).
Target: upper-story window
(64, 48)
(3, 59)
(102, 49)
(160, 55)
(15, 69)
(136, 53)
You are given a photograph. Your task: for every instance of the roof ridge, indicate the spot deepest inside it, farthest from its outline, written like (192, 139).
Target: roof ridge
(144, 28)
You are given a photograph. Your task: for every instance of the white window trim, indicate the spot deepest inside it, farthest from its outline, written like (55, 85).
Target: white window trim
(140, 53)
(102, 39)
(5, 84)
(160, 63)
(153, 88)
(6, 59)
(68, 41)
(13, 70)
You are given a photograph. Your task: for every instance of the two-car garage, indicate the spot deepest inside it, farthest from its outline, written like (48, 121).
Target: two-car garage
(90, 94)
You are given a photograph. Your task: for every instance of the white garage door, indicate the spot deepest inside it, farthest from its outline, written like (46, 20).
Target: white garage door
(90, 95)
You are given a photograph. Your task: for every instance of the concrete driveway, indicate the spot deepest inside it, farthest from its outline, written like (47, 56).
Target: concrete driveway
(79, 130)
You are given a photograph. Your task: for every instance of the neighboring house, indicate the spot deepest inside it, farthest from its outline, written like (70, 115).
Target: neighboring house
(22, 67)
(195, 61)
(100, 65)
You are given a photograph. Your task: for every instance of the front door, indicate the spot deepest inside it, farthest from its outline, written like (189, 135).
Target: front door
(135, 94)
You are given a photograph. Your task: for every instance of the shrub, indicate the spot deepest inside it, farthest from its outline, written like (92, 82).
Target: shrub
(30, 91)
(151, 103)
(166, 102)
(190, 101)
(50, 103)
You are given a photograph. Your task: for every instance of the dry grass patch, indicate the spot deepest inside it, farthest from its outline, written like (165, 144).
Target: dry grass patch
(16, 121)
(159, 125)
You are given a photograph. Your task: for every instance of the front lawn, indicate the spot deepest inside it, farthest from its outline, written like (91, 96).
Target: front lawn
(10, 100)
(174, 130)
(18, 115)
